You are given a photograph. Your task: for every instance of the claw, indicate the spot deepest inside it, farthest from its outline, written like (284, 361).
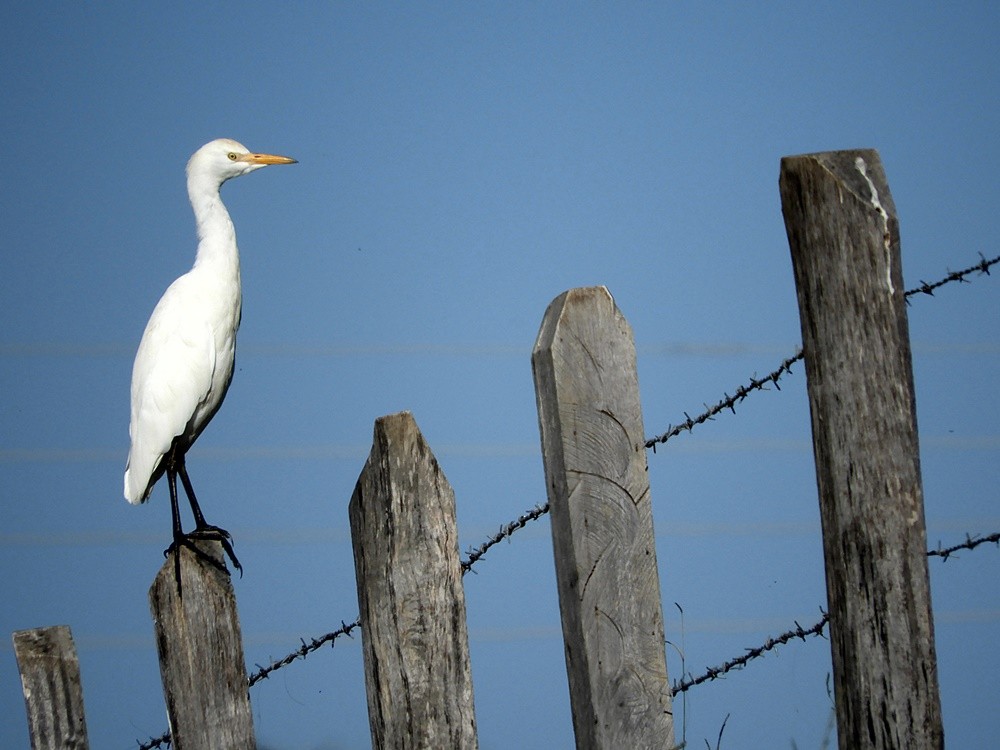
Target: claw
(224, 538)
(188, 540)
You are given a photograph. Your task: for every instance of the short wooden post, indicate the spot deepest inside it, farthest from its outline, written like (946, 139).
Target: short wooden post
(602, 523)
(50, 679)
(413, 629)
(201, 655)
(844, 238)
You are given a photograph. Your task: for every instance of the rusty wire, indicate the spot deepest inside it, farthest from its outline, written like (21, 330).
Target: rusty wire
(689, 423)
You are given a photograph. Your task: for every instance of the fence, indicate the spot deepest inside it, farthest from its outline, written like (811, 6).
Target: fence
(844, 239)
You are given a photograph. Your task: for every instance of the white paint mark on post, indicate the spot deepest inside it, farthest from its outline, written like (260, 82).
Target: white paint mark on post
(886, 235)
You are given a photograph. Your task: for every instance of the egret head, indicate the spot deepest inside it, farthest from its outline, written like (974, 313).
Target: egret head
(223, 159)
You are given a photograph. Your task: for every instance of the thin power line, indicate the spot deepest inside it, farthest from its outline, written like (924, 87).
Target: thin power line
(681, 348)
(319, 350)
(359, 451)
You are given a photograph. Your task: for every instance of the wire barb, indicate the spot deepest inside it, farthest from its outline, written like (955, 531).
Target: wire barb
(304, 650)
(728, 402)
(738, 662)
(154, 742)
(971, 542)
(785, 368)
(476, 553)
(982, 267)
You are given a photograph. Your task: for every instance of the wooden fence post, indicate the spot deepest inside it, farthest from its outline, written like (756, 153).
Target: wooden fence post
(50, 679)
(413, 628)
(201, 655)
(602, 523)
(844, 238)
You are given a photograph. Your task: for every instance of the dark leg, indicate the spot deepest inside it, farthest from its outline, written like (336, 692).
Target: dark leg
(202, 529)
(178, 532)
(175, 466)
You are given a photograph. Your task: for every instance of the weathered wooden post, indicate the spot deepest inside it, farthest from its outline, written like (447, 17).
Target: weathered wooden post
(50, 679)
(413, 629)
(844, 238)
(201, 654)
(602, 524)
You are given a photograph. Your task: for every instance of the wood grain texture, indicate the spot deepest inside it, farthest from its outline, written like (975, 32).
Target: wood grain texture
(50, 680)
(844, 238)
(414, 634)
(602, 524)
(201, 655)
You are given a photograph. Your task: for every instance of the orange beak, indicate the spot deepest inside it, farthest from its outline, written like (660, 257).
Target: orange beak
(269, 159)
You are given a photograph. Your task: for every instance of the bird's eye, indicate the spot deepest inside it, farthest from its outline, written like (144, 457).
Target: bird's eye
(232, 156)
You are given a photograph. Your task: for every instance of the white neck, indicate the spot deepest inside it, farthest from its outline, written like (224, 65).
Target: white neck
(216, 234)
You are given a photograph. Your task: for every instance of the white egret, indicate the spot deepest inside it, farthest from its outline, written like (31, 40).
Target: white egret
(185, 360)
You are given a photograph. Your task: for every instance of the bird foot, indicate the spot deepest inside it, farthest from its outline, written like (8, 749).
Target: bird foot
(217, 534)
(210, 533)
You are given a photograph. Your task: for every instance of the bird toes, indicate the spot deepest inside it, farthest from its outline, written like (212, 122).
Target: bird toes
(189, 541)
(222, 536)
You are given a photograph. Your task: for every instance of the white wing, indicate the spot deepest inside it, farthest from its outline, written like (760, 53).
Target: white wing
(171, 378)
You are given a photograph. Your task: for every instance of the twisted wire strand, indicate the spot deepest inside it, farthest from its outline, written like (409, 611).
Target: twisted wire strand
(982, 267)
(475, 553)
(971, 542)
(713, 673)
(738, 662)
(785, 368)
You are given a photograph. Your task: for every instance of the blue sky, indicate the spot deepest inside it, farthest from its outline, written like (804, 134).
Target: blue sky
(460, 166)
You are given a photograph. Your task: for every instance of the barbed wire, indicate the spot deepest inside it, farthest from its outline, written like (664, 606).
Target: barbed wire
(681, 686)
(713, 673)
(475, 553)
(727, 402)
(263, 672)
(738, 662)
(982, 267)
(971, 542)
(785, 368)
(304, 650)
(154, 742)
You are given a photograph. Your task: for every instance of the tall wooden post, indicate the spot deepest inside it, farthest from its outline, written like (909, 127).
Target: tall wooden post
(53, 697)
(201, 654)
(587, 391)
(413, 629)
(844, 238)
